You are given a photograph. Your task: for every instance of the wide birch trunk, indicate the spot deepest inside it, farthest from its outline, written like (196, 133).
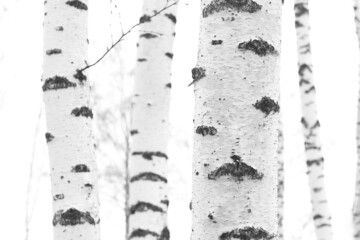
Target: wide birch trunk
(148, 200)
(236, 85)
(69, 121)
(356, 205)
(311, 124)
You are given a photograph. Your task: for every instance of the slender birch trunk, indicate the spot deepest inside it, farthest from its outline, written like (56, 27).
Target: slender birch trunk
(148, 202)
(281, 179)
(69, 118)
(311, 124)
(356, 205)
(236, 85)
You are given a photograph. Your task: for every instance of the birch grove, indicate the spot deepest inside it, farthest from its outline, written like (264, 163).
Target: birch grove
(356, 205)
(236, 85)
(148, 193)
(311, 124)
(69, 121)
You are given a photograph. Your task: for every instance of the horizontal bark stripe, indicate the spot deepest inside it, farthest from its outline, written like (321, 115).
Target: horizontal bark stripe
(148, 176)
(144, 207)
(72, 217)
(214, 6)
(150, 155)
(258, 46)
(56, 83)
(248, 233)
(82, 112)
(77, 4)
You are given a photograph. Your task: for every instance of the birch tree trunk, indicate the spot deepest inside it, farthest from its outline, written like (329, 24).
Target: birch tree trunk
(311, 124)
(148, 202)
(281, 179)
(356, 205)
(236, 85)
(69, 121)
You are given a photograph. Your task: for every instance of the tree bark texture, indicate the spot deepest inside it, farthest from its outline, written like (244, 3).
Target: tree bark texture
(236, 85)
(311, 124)
(150, 133)
(356, 205)
(69, 121)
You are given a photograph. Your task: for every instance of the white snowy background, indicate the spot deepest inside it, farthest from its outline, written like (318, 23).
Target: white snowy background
(25, 199)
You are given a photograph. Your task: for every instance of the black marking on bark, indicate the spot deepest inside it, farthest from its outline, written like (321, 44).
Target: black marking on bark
(137, 233)
(53, 51)
(258, 46)
(210, 216)
(216, 42)
(298, 24)
(169, 55)
(197, 74)
(247, 233)
(144, 207)
(145, 18)
(83, 111)
(80, 168)
(168, 85)
(58, 197)
(206, 130)
(267, 105)
(165, 234)
(49, 137)
(190, 205)
(72, 217)
(88, 185)
(150, 155)
(304, 122)
(56, 83)
(303, 81)
(59, 28)
(238, 170)
(142, 60)
(316, 190)
(77, 4)
(302, 69)
(80, 76)
(301, 9)
(148, 35)
(312, 88)
(249, 6)
(165, 201)
(171, 17)
(310, 145)
(305, 48)
(133, 132)
(323, 225)
(316, 162)
(148, 176)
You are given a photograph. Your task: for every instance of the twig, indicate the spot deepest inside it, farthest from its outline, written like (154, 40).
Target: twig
(28, 214)
(167, 6)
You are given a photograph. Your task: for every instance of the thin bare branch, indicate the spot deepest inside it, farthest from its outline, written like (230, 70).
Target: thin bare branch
(30, 209)
(167, 6)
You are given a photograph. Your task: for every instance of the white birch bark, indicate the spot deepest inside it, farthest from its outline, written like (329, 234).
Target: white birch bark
(281, 179)
(236, 85)
(148, 200)
(311, 124)
(69, 121)
(356, 205)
